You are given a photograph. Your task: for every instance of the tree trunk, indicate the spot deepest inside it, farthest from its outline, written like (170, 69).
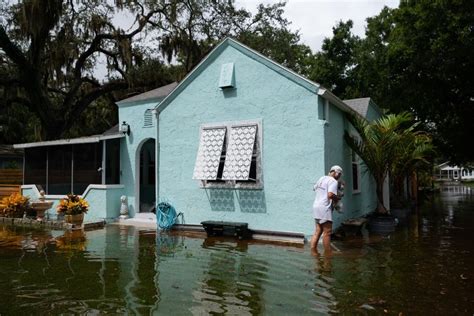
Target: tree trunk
(379, 182)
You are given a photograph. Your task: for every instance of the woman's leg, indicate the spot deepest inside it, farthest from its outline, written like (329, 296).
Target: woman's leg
(317, 234)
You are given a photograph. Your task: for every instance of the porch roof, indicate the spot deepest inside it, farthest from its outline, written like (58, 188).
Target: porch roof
(109, 134)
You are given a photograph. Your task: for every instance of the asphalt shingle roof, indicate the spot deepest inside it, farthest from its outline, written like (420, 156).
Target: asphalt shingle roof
(158, 93)
(360, 105)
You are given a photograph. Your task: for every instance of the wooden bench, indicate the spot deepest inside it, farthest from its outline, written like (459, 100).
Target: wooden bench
(234, 229)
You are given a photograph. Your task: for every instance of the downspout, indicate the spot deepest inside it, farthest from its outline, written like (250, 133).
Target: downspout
(157, 156)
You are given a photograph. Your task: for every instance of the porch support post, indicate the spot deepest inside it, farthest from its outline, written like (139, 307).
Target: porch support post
(104, 157)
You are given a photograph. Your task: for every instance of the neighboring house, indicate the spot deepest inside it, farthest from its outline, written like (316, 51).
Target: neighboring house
(446, 172)
(241, 139)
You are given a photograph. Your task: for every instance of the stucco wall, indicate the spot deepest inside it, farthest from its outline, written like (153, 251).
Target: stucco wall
(130, 147)
(104, 201)
(337, 152)
(292, 146)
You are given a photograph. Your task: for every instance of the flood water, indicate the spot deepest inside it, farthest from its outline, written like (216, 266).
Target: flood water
(425, 267)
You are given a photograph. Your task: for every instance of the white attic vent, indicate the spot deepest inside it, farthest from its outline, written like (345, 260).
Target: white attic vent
(226, 79)
(148, 118)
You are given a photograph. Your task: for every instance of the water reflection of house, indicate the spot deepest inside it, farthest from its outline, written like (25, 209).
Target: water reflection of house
(241, 138)
(446, 172)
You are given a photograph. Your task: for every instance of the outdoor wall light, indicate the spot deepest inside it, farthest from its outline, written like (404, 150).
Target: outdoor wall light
(125, 128)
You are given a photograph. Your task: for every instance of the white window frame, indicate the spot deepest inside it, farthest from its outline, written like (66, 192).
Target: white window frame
(239, 184)
(355, 162)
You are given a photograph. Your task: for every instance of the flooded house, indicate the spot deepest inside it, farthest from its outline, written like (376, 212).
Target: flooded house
(240, 139)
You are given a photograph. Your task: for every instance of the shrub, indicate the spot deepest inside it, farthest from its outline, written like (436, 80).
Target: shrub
(72, 205)
(14, 205)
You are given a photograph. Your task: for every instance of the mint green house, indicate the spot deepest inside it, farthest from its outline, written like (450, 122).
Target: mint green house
(241, 138)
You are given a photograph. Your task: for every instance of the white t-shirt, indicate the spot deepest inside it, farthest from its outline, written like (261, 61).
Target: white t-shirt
(322, 209)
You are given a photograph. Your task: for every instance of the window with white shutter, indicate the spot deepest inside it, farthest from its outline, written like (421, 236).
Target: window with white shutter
(209, 153)
(238, 163)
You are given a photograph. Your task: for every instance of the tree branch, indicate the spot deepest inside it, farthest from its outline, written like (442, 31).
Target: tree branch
(13, 52)
(87, 99)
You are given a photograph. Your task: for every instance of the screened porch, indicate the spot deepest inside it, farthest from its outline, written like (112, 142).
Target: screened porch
(69, 166)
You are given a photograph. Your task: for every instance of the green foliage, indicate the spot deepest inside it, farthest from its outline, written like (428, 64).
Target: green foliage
(413, 58)
(333, 66)
(49, 52)
(391, 145)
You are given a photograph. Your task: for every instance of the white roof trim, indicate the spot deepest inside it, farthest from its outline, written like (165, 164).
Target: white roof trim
(328, 95)
(71, 141)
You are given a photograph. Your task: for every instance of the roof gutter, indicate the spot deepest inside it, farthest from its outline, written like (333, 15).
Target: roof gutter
(328, 95)
(71, 141)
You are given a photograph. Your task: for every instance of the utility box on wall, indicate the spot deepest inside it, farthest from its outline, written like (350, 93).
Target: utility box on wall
(226, 79)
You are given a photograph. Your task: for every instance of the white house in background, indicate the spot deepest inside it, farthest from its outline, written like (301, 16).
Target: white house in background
(446, 172)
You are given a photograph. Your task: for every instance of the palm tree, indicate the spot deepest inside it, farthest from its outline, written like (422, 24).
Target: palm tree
(390, 145)
(412, 155)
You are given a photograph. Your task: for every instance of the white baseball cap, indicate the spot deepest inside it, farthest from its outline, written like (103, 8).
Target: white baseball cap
(336, 168)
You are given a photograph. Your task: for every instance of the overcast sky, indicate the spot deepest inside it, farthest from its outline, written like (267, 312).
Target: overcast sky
(316, 18)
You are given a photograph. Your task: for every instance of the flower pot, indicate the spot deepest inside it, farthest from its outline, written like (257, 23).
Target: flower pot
(74, 219)
(382, 225)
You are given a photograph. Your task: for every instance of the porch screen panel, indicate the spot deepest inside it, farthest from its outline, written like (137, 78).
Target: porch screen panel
(59, 169)
(112, 161)
(35, 167)
(87, 164)
(239, 152)
(209, 153)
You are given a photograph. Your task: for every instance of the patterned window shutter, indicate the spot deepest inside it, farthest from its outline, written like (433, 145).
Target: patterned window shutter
(148, 118)
(209, 153)
(239, 152)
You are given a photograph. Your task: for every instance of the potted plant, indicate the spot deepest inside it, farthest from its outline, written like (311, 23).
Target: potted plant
(15, 205)
(73, 207)
(382, 145)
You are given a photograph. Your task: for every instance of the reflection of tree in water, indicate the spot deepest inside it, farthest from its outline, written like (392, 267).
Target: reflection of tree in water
(233, 282)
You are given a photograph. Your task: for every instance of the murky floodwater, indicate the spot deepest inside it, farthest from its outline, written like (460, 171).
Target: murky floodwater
(426, 267)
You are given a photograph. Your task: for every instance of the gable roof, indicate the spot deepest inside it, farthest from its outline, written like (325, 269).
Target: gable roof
(288, 73)
(152, 95)
(361, 105)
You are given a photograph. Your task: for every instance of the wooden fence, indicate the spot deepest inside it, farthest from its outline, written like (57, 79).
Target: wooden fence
(7, 190)
(11, 176)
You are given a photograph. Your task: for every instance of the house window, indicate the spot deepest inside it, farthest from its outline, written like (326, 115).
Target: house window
(355, 173)
(148, 118)
(229, 156)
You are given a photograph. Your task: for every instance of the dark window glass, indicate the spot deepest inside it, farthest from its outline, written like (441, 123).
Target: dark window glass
(59, 169)
(355, 176)
(87, 164)
(35, 167)
(112, 161)
(220, 169)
